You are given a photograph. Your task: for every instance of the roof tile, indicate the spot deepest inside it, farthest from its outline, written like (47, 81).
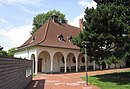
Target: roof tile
(46, 35)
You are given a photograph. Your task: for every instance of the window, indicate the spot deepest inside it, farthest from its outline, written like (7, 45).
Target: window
(69, 38)
(33, 38)
(61, 37)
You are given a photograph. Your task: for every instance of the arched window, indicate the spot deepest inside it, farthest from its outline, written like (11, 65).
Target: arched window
(83, 60)
(74, 60)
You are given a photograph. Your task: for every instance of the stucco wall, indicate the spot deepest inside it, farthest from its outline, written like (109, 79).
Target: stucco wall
(25, 53)
(51, 58)
(121, 64)
(57, 62)
(15, 73)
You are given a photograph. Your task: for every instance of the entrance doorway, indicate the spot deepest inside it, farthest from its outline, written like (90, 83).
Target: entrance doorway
(103, 65)
(39, 65)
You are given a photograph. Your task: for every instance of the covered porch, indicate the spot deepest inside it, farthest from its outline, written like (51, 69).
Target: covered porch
(54, 61)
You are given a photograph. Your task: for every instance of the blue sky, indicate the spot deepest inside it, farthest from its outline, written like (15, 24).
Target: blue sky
(16, 17)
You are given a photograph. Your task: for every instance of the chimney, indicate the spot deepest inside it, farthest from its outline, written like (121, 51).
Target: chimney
(81, 24)
(55, 17)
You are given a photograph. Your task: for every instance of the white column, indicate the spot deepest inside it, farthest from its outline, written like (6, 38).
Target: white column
(51, 64)
(33, 66)
(93, 65)
(106, 66)
(76, 64)
(65, 65)
(36, 61)
(100, 67)
(36, 64)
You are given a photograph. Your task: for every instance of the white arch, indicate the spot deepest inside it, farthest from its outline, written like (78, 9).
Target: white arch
(71, 62)
(58, 62)
(45, 58)
(33, 64)
(81, 62)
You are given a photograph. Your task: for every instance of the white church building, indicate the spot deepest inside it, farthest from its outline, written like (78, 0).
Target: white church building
(51, 49)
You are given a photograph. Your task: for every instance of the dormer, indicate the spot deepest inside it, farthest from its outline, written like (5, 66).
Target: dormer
(69, 38)
(33, 38)
(61, 37)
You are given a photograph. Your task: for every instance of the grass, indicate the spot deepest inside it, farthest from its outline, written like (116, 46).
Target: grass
(119, 80)
(33, 75)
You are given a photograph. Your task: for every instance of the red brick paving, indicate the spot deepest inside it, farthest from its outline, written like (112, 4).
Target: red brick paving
(66, 81)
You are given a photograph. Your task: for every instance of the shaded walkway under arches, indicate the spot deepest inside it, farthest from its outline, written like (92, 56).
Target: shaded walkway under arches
(44, 61)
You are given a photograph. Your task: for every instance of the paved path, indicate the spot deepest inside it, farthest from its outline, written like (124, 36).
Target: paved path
(66, 81)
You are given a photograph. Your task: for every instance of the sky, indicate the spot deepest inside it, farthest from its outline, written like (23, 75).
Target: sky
(16, 17)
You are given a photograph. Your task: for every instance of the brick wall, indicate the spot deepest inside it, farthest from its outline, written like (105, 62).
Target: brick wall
(15, 73)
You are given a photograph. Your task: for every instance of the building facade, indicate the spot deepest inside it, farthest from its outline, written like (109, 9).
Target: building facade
(51, 49)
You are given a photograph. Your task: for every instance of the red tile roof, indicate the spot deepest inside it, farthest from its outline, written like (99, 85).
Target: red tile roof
(47, 34)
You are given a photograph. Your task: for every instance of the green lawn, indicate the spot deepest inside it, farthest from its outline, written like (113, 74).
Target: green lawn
(119, 80)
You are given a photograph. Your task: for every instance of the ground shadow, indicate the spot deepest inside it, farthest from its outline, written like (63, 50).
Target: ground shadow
(36, 84)
(119, 78)
(70, 72)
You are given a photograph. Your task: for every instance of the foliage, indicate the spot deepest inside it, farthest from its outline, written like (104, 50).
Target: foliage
(3, 53)
(107, 29)
(40, 19)
(11, 52)
(119, 80)
(116, 2)
(1, 48)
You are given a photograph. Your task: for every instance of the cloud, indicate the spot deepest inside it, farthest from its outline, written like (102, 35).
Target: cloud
(23, 8)
(75, 21)
(3, 21)
(25, 2)
(85, 3)
(5, 24)
(14, 37)
(1, 5)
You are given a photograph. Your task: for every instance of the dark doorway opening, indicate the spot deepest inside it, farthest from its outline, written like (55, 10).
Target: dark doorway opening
(39, 65)
(128, 63)
(103, 65)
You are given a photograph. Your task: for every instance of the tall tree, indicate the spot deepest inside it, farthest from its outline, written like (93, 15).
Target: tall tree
(107, 30)
(40, 19)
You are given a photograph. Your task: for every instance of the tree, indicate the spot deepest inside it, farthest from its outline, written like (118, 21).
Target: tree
(2, 53)
(116, 2)
(11, 52)
(107, 29)
(1, 48)
(40, 19)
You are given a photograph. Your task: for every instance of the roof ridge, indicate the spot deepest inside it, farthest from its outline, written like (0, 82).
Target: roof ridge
(45, 32)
